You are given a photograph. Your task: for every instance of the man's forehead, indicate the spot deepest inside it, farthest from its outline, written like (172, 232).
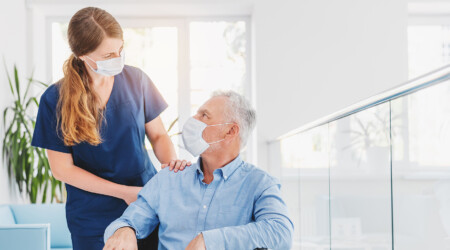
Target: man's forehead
(215, 105)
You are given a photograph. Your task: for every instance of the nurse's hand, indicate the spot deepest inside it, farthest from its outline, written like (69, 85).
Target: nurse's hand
(130, 194)
(176, 165)
(123, 238)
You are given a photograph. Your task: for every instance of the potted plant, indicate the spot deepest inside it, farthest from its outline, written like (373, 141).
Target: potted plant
(28, 166)
(371, 137)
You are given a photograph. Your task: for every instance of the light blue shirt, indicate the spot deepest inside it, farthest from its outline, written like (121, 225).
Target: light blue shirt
(241, 208)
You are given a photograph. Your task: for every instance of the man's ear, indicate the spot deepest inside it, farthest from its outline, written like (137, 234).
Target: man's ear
(233, 131)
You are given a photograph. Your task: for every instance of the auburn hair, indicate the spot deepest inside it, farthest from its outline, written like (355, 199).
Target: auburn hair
(78, 110)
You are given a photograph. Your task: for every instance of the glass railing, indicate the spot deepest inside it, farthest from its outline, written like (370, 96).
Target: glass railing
(375, 175)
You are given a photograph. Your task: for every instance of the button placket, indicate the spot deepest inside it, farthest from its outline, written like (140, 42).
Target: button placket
(205, 204)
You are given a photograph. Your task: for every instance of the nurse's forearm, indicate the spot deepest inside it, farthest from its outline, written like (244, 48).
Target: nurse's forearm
(87, 181)
(164, 149)
(63, 169)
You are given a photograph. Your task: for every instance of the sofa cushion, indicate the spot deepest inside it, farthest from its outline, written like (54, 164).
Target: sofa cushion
(54, 214)
(6, 215)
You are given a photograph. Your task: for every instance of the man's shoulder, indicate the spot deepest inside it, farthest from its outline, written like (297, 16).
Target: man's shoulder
(166, 178)
(258, 175)
(166, 174)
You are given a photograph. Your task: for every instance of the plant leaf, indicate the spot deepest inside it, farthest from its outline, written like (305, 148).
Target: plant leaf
(42, 83)
(172, 124)
(30, 80)
(16, 79)
(32, 100)
(9, 78)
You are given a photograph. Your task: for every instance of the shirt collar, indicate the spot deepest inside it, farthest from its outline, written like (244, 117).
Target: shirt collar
(226, 170)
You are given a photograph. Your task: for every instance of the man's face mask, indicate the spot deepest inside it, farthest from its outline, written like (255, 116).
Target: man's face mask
(192, 136)
(110, 67)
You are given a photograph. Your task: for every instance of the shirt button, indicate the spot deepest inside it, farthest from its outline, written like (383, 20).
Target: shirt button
(204, 206)
(225, 176)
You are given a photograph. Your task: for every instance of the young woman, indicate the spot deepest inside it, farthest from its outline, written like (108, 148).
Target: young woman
(93, 124)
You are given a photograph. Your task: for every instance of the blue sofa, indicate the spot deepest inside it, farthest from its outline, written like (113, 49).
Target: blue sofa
(34, 226)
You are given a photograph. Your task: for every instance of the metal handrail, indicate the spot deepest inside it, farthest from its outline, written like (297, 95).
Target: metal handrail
(427, 80)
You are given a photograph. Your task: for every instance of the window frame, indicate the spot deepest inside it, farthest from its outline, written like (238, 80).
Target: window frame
(184, 89)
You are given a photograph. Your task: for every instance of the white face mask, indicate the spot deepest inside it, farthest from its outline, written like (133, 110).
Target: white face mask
(110, 67)
(192, 136)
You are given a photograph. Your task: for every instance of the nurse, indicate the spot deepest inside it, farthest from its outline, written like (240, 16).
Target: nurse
(93, 123)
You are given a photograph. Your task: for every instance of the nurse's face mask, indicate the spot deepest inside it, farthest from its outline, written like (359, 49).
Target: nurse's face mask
(110, 67)
(192, 136)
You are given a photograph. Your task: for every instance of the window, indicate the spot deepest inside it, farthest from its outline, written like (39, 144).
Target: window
(428, 48)
(218, 58)
(425, 128)
(187, 59)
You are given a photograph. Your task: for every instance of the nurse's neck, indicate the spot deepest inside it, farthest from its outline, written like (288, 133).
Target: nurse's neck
(98, 81)
(103, 86)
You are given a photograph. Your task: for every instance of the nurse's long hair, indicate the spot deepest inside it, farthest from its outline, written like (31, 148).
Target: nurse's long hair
(78, 114)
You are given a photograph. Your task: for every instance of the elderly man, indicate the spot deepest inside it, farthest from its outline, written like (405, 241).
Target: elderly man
(221, 202)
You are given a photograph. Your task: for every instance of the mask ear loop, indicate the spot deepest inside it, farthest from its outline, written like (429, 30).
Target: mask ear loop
(226, 123)
(218, 125)
(91, 59)
(214, 142)
(90, 65)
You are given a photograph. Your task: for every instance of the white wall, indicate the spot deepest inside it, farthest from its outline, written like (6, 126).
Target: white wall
(13, 49)
(314, 57)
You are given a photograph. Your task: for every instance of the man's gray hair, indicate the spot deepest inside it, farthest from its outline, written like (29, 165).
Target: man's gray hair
(240, 111)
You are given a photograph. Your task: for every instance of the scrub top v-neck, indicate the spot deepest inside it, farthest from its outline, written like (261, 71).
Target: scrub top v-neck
(120, 158)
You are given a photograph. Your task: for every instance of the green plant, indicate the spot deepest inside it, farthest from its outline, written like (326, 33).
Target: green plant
(172, 124)
(27, 165)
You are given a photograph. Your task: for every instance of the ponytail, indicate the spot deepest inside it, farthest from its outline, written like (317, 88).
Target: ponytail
(78, 114)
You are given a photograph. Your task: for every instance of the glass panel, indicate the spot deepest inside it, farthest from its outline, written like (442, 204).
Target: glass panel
(305, 180)
(290, 187)
(421, 169)
(360, 187)
(217, 58)
(289, 149)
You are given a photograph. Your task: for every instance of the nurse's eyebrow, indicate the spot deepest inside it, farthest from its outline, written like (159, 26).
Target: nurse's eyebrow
(113, 52)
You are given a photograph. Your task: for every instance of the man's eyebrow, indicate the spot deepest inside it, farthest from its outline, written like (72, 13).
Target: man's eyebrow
(204, 111)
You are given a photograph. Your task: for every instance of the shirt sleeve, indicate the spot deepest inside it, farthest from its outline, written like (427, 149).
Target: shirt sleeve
(140, 215)
(272, 227)
(46, 134)
(154, 103)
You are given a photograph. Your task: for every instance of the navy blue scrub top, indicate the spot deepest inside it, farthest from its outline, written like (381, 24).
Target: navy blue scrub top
(120, 158)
